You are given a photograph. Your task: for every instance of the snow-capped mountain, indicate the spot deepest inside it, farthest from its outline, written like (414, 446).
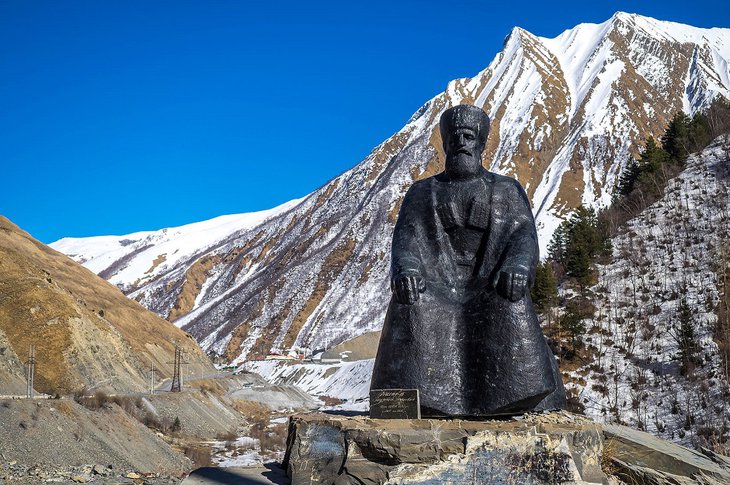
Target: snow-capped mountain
(135, 257)
(566, 115)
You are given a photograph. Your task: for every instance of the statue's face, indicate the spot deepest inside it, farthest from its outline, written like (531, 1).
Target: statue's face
(463, 152)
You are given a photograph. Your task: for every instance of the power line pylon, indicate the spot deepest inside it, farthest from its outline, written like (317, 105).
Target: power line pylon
(177, 378)
(30, 372)
(152, 380)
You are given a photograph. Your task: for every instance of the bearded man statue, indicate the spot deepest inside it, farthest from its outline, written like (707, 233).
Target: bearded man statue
(461, 327)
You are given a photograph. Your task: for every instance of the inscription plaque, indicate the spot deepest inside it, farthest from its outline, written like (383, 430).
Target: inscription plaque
(395, 404)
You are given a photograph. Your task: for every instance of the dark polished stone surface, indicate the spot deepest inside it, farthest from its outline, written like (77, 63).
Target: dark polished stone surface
(460, 326)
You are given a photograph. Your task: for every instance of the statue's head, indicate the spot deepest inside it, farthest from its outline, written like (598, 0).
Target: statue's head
(464, 131)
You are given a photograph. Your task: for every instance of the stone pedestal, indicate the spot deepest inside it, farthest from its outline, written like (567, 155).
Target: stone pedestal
(327, 449)
(533, 449)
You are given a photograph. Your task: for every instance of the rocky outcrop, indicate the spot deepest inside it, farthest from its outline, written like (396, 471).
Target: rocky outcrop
(638, 457)
(532, 449)
(332, 449)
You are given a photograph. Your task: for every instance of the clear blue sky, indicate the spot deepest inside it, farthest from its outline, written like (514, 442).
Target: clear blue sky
(120, 116)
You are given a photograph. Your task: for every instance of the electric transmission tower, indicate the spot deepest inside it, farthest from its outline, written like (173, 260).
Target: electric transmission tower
(30, 372)
(177, 377)
(152, 380)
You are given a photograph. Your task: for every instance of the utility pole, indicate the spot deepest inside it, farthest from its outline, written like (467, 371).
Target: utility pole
(30, 372)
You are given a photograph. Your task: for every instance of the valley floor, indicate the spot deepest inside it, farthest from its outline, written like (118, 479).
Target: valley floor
(155, 439)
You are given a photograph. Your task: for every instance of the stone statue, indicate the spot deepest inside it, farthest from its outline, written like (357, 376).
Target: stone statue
(460, 326)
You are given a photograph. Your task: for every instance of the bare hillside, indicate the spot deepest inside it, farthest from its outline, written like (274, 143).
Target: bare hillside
(86, 332)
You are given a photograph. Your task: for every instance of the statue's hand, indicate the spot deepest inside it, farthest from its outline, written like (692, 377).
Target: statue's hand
(512, 283)
(408, 288)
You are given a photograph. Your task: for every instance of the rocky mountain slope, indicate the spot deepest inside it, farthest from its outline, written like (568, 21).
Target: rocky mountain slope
(675, 251)
(85, 331)
(567, 113)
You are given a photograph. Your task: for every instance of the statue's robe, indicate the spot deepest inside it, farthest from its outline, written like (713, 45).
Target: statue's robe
(469, 350)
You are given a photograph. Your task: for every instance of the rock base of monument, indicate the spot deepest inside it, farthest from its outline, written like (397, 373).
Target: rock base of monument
(550, 448)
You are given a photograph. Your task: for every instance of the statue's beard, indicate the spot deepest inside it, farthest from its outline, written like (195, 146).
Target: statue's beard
(462, 165)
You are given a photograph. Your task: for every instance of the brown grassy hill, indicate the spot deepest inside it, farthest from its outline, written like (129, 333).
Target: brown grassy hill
(12, 378)
(86, 332)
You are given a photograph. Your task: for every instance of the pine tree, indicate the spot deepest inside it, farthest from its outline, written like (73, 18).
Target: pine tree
(584, 242)
(577, 242)
(651, 161)
(578, 263)
(652, 157)
(685, 337)
(628, 178)
(699, 132)
(545, 290)
(676, 138)
(572, 322)
(556, 248)
(176, 425)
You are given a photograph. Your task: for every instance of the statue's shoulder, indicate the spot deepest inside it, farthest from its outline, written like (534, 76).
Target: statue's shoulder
(510, 189)
(421, 186)
(503, 180)
(506, 183)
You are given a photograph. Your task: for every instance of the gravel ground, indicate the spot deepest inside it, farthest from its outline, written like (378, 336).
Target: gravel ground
(15, 473)
(40, 437)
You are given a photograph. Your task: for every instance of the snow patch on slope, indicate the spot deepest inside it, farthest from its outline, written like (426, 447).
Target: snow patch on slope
(349, 381)
(667, 253)
(173, 245)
